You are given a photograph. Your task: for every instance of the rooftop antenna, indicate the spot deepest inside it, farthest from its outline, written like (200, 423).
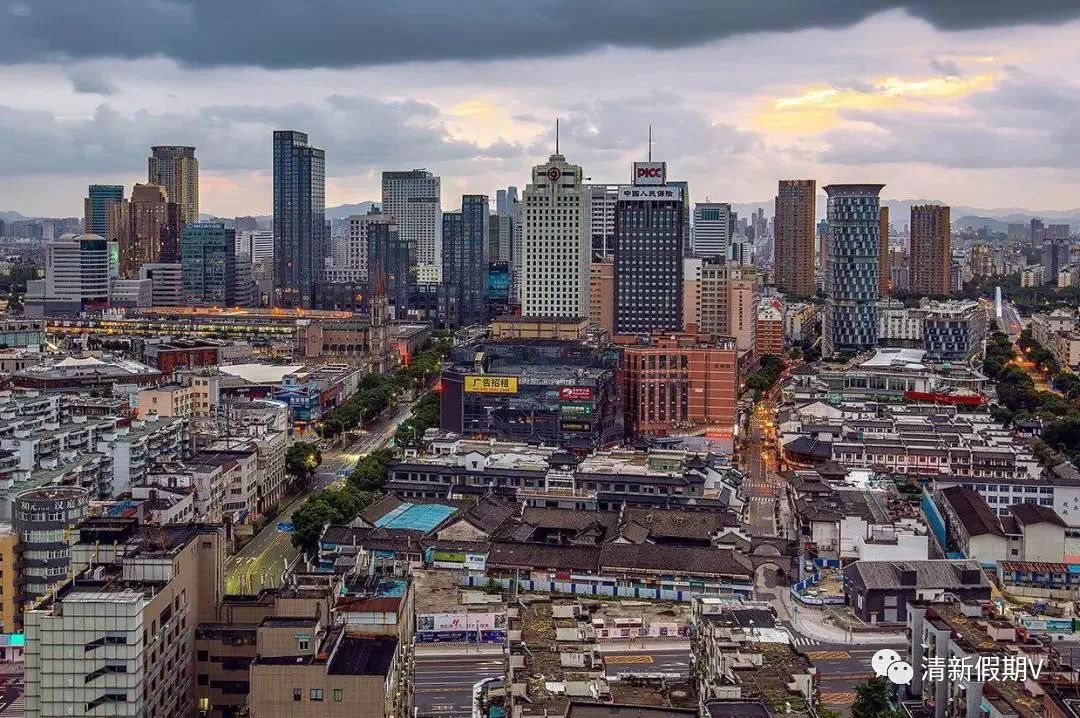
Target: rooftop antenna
(650, 143)
(556, 135)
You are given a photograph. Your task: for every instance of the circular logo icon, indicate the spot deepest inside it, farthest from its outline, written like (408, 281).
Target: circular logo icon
(554, 173)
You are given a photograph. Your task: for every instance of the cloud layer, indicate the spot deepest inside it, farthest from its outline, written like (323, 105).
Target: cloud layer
(347, 33)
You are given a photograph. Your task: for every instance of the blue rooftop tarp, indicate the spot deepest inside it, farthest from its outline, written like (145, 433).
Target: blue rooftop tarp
(416, 517)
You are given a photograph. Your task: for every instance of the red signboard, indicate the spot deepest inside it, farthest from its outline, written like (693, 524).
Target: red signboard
(575, 393)
(954, 399)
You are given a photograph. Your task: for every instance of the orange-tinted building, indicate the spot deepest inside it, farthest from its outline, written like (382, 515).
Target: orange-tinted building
(680, 384)
(931, 250)
(602, 294)
(769, 329)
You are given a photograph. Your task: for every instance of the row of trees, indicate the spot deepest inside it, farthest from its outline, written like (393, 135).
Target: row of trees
(768, 373)
(377, 391)
(425, 415)
(340, 504)
(1019, 398)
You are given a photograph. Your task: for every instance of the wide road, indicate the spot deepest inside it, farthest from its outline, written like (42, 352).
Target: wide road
(760, 488)
(842, 668)
(261, 563)
(674, 662)
(443, 682)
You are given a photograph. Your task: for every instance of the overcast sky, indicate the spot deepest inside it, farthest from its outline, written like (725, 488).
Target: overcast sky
(969, 102)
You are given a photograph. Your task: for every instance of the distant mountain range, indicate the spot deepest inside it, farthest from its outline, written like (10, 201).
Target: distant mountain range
(342, 211)
(962, 217)
(899, 210)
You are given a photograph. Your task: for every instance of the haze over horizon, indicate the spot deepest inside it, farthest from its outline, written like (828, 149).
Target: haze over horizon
(934, 101)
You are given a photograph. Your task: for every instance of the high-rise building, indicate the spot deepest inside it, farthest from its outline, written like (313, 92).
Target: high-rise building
(120, 638)
(1038, 232)
(931, 253)
(556, 242)
(389, 256)
(506, 227)
(465, 234)
(148, 229)
(258, 244)
(96, 207)
(300, 241)
(714, 228)
(1055, 257)
(793, 265)
(602, 201)
(602, 294)
(208, 264)
(177, 170)
(413, 198)
(166, 283)
(1059, 231)
(76, 277)
(727, 299)
(883, 252)
(702, 394)
(851, 268)
(648, 253)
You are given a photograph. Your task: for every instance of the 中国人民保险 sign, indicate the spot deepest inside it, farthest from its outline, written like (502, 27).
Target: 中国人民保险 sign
(479, 384)
(575, 393)
(650, 194)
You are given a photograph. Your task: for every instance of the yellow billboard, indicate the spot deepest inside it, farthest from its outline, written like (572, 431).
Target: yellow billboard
(478, 384)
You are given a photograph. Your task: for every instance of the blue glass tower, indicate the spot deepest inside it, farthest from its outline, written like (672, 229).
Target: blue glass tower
(300, 238)
(208, 264)
(96, 211)
(465, 256)
(851, 268)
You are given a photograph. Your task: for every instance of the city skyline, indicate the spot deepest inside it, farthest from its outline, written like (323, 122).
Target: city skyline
(910, 103)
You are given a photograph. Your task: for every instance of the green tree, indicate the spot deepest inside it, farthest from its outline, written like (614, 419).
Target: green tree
(873, 699)
(301, 461)
(329, 506)
(370, 471)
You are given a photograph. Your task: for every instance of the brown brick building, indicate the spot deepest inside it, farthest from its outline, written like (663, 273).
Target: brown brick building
(680, 384)
(794, 232)
(931, 250)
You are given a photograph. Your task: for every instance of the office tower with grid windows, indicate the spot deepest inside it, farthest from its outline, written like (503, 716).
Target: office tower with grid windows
(794, 230)
(931, 250)
(851, 268)
(177, 170)
(648, 253)
(300, 237)
(412, 197)
(714, 228)
(463, 300)
(556, 242)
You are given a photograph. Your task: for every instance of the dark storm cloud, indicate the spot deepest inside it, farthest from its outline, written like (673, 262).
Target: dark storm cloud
(87, 81)
(345, 33)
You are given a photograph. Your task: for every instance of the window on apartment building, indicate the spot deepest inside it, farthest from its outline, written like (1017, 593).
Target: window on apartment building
(202, 656)
(337, 695)
(297, 695)
(204, 679)
(316, 695)
(303, 642)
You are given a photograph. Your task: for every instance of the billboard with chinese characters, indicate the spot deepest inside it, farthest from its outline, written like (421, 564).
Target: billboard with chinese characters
(670, 193)
(482, 384)
(460, 621)
(576, 409)
(649, 173)
(575, 393)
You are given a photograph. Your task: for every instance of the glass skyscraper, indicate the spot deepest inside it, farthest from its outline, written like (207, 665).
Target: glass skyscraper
(208, 264)
(465, 258)
(96, 209)
(301, 242)
(851, 268)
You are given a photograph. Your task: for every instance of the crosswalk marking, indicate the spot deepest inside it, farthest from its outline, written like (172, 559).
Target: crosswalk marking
(843, 698)
(803, 641)
(761, 499)
(827, 655)
(627, 660)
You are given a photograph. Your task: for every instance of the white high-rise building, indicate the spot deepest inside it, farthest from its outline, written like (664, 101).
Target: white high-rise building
(257, 244)
(413, 198)
(602, 201)
(556, 242)
(713, 229)
(76, 276)
(350, 256)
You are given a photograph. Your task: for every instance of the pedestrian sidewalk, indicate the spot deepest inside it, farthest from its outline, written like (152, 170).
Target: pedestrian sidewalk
(457, 649)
